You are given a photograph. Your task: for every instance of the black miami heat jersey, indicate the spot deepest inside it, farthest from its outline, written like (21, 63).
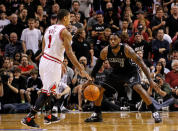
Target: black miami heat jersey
(120, 62)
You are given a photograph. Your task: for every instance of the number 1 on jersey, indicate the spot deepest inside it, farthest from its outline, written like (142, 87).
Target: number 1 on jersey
(50, 38)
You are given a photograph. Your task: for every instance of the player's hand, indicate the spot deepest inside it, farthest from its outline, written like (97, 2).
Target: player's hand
(83, 73)
(89, 82)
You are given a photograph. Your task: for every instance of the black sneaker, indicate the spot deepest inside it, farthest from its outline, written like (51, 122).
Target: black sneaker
(157, 117)
(29, 121)
(51, 119)
(95, 117)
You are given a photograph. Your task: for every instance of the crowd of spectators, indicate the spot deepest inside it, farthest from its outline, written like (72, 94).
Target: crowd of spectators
(150, 27)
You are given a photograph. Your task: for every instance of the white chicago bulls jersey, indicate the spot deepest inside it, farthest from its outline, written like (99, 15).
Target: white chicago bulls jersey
(54, 48)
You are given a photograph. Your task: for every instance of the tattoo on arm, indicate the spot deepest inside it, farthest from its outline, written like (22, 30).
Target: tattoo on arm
(130, 53)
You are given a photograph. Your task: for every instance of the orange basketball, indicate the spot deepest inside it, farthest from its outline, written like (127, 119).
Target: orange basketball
(91, 92)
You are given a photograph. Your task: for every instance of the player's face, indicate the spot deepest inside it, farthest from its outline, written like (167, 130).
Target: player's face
(67, 20)
(114, 41)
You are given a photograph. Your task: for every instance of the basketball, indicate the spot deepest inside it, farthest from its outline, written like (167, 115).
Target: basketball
(91, 92)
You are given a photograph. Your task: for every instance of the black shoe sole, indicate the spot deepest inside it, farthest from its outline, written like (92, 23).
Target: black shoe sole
(158, 121)
(28, 125)
(93, 121)
(52, 122)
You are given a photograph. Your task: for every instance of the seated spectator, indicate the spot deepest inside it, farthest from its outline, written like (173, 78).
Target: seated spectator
(172, 76)
(93, 58)
(140, 44)
(172, 21)
(158, 21)
(25, 67)
(163, 61)
(91, 22)
(39, 13)
(20, 8)
(76, 8)
(7, 64)
(3, 20)
(78, 20)
(12, 104)
(145, 31)
(23, 19)
(128, 18)
(173, 56)
(34, 84)
(14, 26)
(140, 17)
(111, 19)
(69, 71)
(98, 28)
(79, 45)
(55, 8)
(17, 58)
(162, 95)
(159, 69)
(31, 58)
(124, 28)
(160, 47)
(13, 46)
(103, 40)
(73, 20)
(20, 82)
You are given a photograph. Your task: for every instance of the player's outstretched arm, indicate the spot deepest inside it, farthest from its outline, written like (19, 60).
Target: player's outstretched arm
(131, 54)
(99, 62)
(67, 37)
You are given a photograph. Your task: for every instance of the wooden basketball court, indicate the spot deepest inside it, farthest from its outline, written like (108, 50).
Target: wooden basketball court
(114, 121)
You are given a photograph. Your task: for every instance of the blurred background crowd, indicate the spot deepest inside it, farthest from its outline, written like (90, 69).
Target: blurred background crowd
(150, 27)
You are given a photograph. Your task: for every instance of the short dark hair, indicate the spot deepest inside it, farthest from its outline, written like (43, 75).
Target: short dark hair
(62, 13)
(33, 72)
(31, 19)
(16, 70)
(116, 34)
(75, 1)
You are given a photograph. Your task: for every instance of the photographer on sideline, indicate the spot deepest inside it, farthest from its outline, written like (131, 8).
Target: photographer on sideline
(161, 96)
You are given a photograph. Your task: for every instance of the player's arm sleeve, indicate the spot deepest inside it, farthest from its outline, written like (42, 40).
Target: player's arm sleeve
(96, 68)
(99, 62)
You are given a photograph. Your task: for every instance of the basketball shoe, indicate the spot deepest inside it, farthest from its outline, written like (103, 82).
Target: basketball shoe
(29, 121)
(95, 117)
(157, 117)
(51, 119)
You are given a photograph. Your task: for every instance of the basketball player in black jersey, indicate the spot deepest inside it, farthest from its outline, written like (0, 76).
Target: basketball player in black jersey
(124, 62)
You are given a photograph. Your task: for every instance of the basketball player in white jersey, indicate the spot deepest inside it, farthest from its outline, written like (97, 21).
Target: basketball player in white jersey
(56, 40)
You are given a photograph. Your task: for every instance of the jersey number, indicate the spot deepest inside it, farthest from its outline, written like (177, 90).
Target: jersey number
(50, 38)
